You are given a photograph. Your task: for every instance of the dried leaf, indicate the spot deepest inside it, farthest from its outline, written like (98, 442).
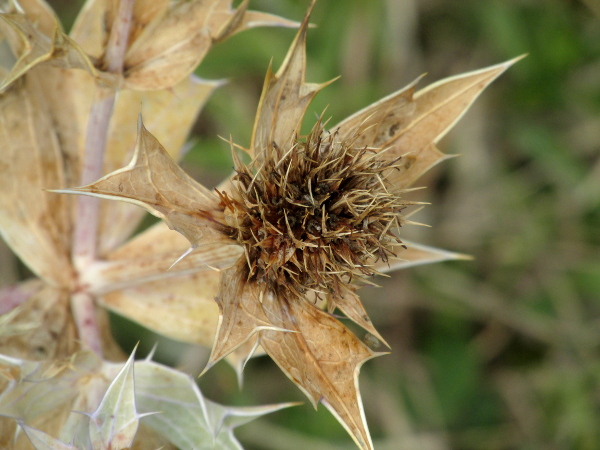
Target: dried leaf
(322, 357)
(182, 308)
(412, 126)
(155, 182)
(67, 98)
(114, 423)
(35, 224)
(119, 220)
(155, 255)
(351, 306)
(37, 47)
(186, 418)
(55, 399)
(284, 99)
(174, 43)
(241, 312)
(94, 22)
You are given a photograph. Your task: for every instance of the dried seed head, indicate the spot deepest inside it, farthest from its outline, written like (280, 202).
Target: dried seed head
(314, 216)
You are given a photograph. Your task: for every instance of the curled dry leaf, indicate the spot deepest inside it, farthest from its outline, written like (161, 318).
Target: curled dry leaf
(303, 214)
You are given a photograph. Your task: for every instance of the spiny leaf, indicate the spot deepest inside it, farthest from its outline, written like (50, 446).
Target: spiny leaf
(418, 254)
(114, 424)
(151, 256)
(167, 39)
(154, 181)
(412, 126)
(42, 394)
(241, 313)
(173, 44)
(184, 416)
(119, 220)
(322, 357)
(43, 441)
(284, 98)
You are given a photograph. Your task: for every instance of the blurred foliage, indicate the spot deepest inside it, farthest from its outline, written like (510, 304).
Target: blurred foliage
(498, 353)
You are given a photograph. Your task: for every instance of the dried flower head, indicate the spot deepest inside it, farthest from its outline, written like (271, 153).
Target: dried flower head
(314, 217)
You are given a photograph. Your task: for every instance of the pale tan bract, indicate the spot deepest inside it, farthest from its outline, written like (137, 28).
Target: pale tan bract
(315, 350)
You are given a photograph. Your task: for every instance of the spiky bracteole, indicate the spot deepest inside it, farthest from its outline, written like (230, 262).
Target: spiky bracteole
(315, 215)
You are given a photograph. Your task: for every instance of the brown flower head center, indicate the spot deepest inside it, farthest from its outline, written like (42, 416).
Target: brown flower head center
(315, 216)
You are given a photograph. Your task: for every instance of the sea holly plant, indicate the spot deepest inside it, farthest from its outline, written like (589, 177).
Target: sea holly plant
(283, 245)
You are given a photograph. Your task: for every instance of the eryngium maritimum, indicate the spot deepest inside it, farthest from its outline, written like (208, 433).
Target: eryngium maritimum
(315, 217)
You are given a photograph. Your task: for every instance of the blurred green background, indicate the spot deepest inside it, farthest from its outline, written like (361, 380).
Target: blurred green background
(496, 353)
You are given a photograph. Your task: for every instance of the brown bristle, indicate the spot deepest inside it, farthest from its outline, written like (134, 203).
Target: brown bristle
(314, 216)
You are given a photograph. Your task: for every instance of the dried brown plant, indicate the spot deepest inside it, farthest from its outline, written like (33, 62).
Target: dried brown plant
(281, 244)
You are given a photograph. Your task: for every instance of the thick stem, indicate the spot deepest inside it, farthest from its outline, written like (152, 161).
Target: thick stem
(84, 312)
(86, 224)
(87, 212)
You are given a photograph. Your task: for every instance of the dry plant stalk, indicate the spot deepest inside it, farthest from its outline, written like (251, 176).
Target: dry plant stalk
(282, 244)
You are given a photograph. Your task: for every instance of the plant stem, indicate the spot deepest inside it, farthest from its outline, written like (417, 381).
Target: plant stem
(87, 212)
